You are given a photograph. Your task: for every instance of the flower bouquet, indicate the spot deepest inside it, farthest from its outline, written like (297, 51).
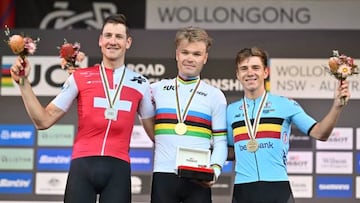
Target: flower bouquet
(22, 46)
(341, 66)
(70, 54)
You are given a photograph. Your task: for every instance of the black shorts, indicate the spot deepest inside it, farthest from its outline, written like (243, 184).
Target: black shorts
(263, 192)
(107, 176)
(169, 188)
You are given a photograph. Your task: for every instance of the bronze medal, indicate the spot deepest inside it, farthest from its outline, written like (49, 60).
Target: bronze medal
(180, 128)
(252, 145)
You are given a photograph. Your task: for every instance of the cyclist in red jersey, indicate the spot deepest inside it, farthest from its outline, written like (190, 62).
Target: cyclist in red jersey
(109, 96)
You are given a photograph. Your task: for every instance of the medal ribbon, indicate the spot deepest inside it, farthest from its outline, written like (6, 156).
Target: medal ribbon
(106, 85)
(181, 118)
(252, 129)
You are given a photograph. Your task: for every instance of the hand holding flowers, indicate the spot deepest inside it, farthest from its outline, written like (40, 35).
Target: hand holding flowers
(70, 54)
(341, 66)
(21, 46)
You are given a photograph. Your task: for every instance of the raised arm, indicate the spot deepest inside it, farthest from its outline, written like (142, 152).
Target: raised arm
(42, 117)
(323, 129)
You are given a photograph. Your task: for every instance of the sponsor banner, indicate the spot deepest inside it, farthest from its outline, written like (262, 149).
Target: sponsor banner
(16, 183)
(244, 14)
(222, 186)
(228, 167)
(17, 135)
(301, 186)
(225, 80)
(334, 162)
(53, 159)
(16, 159)
(300, 140)
(300, 162)
(86, 14)
(141, 160)
(140, 184)
(358, 138)
(139, 138)
(334, 186)
(340, 138)
(57, 135)
(307, 79)
(50, 183)
(357, 163)
(46, 76)
(357, 193)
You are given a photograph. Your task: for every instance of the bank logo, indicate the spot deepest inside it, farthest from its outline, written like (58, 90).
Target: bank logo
(53, 159)
(16, 183)
(334, 187)
(17, 135)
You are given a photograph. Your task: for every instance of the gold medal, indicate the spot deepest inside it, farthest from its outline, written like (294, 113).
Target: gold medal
(180, 128)
(252, 145)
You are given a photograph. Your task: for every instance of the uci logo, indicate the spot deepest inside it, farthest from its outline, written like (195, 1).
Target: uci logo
(46, 76)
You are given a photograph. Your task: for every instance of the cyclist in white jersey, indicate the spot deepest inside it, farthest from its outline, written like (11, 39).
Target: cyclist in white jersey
(259, 128)
(191, 114)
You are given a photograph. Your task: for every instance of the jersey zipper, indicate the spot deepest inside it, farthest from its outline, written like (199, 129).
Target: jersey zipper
(105, 138)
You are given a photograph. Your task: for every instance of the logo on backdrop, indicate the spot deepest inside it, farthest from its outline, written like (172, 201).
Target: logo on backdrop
(334, 187)
(63, 17)
(16, 183)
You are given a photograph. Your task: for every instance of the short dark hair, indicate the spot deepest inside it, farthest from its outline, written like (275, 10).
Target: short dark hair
(253, 51)
(117, 19)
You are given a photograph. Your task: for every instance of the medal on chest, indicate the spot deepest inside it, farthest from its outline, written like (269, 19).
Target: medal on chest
(111, 112)
(252, 145)
(181, 127)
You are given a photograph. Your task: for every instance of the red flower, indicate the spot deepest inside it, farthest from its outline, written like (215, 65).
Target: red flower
(67, 51)
(70, 54)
